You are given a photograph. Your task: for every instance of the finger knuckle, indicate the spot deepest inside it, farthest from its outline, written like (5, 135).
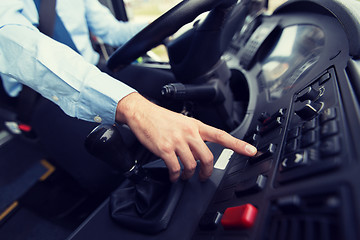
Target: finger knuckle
(220, 135)
(192, 166)
(175, 170)
(177, 139)
(208, 159)
(188, 130)
(166, 148)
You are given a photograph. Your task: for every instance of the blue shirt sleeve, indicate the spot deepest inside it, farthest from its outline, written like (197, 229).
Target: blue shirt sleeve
(55, 70)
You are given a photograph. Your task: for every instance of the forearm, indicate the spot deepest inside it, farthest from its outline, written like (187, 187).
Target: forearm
(59, 74)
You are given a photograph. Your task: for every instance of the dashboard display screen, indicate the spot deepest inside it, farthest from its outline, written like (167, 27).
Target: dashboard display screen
(296, 51)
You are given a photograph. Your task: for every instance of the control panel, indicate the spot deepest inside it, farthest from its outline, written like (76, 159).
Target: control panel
(299, 184)
(303, 116)
(313, 139)
(307, 139)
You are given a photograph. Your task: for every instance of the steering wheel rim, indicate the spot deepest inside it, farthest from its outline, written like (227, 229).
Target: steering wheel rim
(163, 27)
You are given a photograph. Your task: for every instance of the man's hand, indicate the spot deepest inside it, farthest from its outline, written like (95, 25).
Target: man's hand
(170, 135)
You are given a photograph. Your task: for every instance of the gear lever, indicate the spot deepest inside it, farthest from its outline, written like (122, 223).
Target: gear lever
(146, 199)
(106, 143)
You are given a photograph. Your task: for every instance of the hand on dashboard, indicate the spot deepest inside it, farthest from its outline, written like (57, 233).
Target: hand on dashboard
(171, 135)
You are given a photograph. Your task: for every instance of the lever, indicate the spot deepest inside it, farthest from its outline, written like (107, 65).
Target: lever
(145, 201)
(106, 143)
(308, 109)
(204, 92)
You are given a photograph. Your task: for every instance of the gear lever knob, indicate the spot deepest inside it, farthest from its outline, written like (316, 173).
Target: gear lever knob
(106, 143)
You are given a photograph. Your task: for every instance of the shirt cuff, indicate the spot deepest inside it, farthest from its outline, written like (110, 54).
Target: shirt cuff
(99, 98)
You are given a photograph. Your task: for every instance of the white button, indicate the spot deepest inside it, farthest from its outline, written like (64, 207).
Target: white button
(55, 98)
(97, 119)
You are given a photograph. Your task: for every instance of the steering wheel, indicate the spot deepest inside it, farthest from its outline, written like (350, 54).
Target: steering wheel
(163, 27)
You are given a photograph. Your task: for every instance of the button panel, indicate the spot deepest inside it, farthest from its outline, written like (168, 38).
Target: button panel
(313, 140)
(295, 143)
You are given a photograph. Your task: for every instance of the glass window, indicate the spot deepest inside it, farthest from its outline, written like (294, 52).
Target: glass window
(149, 10)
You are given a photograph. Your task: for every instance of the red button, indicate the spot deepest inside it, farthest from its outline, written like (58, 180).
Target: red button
(239, 217)
(25, 127)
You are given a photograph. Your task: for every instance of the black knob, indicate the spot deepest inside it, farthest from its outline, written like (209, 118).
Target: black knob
(106, 143)
(308, 109)
(308, 93)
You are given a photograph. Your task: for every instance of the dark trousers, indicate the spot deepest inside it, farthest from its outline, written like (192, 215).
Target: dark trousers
(63, 137)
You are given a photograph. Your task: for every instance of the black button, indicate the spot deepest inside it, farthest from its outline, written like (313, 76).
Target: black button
(308, 109)
(263, 153)
(329, 129)
(328, 114)
(292, 146)
(309, 125)
(210, 220)
(314, 168)
(253, 139)
(330, 147)
(279, 113)
(324, 78)
(263, 116)
(293, 133)
(271, 126)
(294, 160)
(251, 185)
(308, 93)
(308, 139)
(289, 202)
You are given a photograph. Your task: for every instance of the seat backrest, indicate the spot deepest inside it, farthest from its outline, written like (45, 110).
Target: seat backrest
(7, 102)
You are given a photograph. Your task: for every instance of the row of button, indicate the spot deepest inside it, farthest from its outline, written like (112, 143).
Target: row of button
(268, 124)
(308, 102)
(299, 152)
(314, 140)
(310, 142)
(243, 217)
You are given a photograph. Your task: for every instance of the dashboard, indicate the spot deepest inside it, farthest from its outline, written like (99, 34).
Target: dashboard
(303, 116)
(300, 184)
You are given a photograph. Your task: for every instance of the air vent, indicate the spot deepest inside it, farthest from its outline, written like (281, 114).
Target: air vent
(306, 217)
(304, 227)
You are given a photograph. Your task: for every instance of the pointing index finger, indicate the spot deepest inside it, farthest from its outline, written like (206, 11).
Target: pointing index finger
(223, 138)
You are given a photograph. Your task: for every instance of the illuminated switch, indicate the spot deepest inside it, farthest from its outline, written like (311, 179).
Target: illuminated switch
(240, 217)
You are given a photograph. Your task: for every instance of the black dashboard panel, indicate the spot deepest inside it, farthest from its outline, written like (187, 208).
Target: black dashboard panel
(303, 115)
(303, 181)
